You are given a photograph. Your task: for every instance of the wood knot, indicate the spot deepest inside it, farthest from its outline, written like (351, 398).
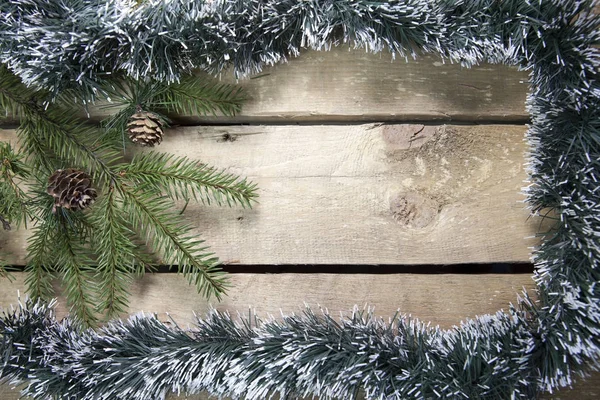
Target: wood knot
(227, 137)
(414, 210)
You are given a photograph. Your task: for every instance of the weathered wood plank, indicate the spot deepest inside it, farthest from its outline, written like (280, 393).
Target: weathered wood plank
(352, 85)
(442, 299)
(368, 194)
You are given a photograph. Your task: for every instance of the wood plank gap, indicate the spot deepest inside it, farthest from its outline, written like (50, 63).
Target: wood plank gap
(191, 123)
(176, 123)
(417, 269)
(457, 269)
(333, 120)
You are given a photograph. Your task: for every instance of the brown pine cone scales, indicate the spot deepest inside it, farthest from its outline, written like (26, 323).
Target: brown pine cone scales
(71, 188)
(145, 128)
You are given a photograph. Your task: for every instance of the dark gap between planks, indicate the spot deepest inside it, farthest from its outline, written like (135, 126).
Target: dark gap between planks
(426, 269)
(367, 121)
(374, 269)
(183, 122)
(487, 268)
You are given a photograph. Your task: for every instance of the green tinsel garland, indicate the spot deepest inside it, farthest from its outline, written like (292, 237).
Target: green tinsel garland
(60, 45)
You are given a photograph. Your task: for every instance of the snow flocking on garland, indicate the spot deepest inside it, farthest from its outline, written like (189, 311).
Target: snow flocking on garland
(536, 346)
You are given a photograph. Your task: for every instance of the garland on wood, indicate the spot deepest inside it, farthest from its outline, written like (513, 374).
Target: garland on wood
(538, 346)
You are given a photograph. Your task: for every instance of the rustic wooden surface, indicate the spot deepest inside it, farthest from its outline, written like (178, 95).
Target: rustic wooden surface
(345, 84)
(360, 194)
(442, 299)
(351, 85)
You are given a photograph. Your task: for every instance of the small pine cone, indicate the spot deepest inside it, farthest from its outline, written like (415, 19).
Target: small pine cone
(71, 189)
(145, 128)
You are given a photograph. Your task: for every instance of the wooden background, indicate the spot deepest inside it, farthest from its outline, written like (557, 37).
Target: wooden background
(359, 161)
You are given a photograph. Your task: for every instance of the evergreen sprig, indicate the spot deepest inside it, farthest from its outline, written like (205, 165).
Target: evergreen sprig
(14, 201)
(11, 101)
(169, 235)
(97, 254)
(74, 266)
(118, 257)
(192, 95)
(5, 270)
(41, 252)
(181, 178)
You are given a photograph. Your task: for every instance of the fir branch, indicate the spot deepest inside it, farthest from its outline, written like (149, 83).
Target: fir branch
(192, 96)
(13, 94)
(39, 278)
(196, 96)
(125, 91)
(119, 259)
(64, 138)
(52, 135)
(74, 265)
(57, 248)
(41, 254)
(39, 154)
(14, 202)
(57, 133)
(125, 96)
(179, 177)
(171, 237)
(115, 127)
(5, 270)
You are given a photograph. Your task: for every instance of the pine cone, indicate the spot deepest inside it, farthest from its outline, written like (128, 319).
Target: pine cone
(71, 189)
(145, 128)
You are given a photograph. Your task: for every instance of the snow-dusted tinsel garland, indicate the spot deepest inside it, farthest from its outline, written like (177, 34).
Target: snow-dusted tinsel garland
(75, 45)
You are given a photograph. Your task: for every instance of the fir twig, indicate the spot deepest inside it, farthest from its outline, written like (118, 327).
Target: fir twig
(179, 177)
(75, 268)
(171, 237)
(124, 95)
(5, 270)
(13, 94)
(196, 96)
(191, 96)
(118, 258)
(51, 135)
(14, 202)
(41, 254)
(57, 133)
(73, 261)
